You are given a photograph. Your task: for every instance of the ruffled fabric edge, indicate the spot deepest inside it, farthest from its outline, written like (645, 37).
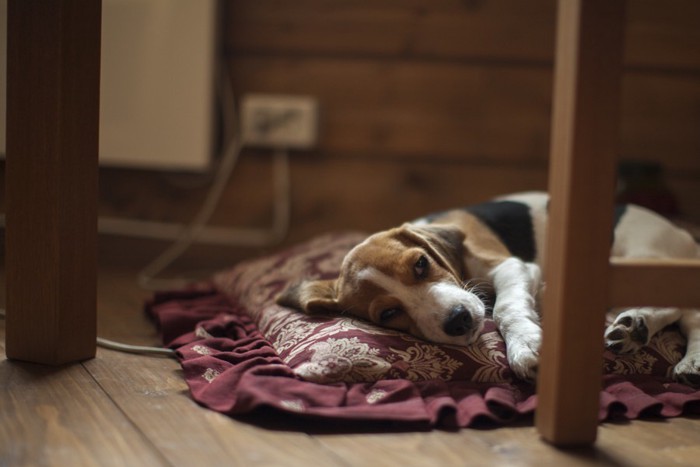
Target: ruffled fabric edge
(238, 372)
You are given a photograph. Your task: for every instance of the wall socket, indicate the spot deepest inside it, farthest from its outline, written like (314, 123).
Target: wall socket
(279, 121)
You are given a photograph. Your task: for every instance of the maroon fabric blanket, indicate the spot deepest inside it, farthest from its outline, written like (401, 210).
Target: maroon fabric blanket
(241, 354)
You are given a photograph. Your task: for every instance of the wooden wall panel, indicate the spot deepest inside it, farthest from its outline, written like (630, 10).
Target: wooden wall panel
(327, 192)
(661, 118)
(469, 112)
(444, 28)
(426, 104)
(380, 194)
(336, 193)
(414, 109)
(663, 35)
(659, 34)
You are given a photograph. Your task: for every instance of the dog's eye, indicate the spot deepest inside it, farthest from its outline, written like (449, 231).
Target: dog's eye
(421, 267)
(388, 314)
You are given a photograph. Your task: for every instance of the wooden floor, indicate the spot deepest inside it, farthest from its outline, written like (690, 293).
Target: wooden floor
(127, 410)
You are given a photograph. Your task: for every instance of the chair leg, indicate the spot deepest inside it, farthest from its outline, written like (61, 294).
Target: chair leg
(581, 184)
(53, 87)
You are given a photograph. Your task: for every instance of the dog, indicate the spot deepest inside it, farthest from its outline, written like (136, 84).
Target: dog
(431, 278)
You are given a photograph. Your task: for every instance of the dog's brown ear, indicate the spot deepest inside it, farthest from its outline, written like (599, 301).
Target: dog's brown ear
(444, 241)
(311, 297)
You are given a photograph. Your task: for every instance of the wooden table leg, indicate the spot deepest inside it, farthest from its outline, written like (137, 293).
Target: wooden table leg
(53, 86)
(582, 176)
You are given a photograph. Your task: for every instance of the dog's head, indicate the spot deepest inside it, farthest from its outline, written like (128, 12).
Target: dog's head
(409, 278)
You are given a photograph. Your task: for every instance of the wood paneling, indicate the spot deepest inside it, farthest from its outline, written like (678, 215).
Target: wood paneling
(439, 29)
(465, 83)
(332, 193)
(636, 282)
(413, 109)
(665, 34)
(392, 193)
(661, 119)
(426, 105)
(469, 112)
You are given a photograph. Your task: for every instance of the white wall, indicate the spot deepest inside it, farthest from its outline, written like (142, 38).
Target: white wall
(157, 85)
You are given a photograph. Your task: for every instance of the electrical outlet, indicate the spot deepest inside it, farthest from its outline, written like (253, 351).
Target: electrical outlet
(279, 121)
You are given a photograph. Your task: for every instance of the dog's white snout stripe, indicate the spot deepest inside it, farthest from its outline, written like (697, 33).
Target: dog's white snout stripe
(390, 284)
(430, 304)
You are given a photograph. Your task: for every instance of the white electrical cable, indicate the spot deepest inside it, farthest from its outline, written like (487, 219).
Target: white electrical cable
(198, 231)
(256, 237)
(226, 236)
(137, 349)
(112, 345)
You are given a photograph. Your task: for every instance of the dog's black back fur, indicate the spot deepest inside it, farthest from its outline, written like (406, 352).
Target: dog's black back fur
(511, 221)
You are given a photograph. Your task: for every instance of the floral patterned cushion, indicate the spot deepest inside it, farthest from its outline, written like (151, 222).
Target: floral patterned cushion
(330, 349)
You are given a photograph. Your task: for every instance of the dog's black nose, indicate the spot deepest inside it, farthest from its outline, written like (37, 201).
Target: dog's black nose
(458, 322)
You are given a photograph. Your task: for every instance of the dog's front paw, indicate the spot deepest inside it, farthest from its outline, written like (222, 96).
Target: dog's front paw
(627, 334)
(523, 356)
(687, 371)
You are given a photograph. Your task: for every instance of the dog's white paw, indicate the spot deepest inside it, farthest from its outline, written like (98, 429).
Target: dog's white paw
(627, 334)
(523, 355)
(687, 371)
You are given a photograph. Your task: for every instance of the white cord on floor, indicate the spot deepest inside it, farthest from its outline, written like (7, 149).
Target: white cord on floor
(112, 345)
(198, 230)
(138, 349)
(258, 237)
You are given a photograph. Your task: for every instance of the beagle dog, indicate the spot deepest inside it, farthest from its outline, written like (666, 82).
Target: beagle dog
(431, 278)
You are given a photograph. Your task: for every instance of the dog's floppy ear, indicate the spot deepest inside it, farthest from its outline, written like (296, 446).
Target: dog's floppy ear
(311, 296)
(444, 241)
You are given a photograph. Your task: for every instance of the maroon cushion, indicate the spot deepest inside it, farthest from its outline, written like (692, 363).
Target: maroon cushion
(328, 349)
(241, 351)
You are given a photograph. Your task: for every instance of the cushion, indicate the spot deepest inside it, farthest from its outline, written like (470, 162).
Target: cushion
(242, 352)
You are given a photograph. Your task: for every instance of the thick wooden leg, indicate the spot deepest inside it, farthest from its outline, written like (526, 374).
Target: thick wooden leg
(581, 184)
(53, 69)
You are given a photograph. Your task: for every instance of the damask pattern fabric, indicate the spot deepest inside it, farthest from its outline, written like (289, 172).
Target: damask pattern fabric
(242, 352)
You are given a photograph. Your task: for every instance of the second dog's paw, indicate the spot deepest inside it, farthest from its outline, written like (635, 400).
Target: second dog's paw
(687, 371)
(627, 334)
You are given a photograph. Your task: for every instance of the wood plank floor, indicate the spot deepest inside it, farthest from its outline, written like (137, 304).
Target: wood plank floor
(121, 409)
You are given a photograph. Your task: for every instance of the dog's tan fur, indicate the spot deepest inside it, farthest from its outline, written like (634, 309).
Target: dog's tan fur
(452, 240)
(428, 278)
